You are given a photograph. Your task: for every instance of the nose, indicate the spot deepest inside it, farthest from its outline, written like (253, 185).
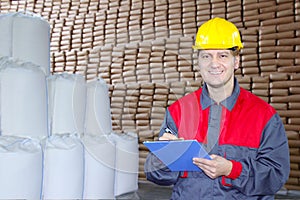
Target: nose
(215, 62)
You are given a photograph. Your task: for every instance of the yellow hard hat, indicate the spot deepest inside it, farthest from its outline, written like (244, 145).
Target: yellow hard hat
(218, 33)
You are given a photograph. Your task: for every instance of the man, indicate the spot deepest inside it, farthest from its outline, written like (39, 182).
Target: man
(244, 136)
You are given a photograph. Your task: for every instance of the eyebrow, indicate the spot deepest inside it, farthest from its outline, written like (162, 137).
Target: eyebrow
(226, 52)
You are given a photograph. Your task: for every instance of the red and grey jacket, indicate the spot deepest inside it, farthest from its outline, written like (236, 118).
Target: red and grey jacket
(252, 137)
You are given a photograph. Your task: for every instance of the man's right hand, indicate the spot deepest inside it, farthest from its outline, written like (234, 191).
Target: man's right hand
(169, 136)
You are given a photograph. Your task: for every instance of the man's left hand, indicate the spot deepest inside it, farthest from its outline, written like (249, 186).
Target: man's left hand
(217, 166)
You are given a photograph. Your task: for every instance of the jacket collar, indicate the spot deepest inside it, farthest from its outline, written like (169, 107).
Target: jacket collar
(228, 103)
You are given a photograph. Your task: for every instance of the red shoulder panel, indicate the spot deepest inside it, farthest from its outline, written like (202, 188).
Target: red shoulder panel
(189, 118)
(244, 125)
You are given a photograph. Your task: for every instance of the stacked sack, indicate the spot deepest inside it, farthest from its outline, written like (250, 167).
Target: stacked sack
(56, 137)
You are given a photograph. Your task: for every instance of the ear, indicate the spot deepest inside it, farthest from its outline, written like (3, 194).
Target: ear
(236, 62)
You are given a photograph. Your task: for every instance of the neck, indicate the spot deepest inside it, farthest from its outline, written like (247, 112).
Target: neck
(219, 94)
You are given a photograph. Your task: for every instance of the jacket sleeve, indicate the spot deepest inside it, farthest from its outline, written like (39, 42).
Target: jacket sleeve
(168, 123)
(269, 171)
(154, 169)
(158, 173)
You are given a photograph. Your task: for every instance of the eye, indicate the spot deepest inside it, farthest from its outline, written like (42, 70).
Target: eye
(205, 56)
(223, 55)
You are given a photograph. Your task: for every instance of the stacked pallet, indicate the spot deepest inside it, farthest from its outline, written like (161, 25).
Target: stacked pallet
(143, 50)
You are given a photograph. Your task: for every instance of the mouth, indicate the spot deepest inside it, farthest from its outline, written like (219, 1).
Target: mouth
(216, 72)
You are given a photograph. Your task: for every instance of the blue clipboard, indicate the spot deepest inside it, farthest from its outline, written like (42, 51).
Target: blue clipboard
(177, 155)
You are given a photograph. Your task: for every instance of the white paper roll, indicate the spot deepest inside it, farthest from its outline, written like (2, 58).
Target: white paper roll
(98, 114)
(63, 168)
(23, 100)
(127, 162)
(67, 102)
(21, 168)
(99, 167)
(6, 21)
(26, 36)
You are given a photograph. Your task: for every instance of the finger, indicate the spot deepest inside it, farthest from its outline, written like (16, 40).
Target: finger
(198, 159)
(201, 165)
(207, 170)
(202, 160)
(168, 136)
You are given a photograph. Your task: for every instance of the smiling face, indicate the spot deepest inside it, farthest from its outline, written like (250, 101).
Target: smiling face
(217, 68)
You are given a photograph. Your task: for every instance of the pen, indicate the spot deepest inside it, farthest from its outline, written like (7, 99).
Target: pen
(167, 130)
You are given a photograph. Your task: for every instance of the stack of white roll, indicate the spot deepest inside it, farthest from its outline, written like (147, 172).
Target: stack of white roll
(64, 152)
(23, 122)
(24, 66)
(100, 149)
(56, 139)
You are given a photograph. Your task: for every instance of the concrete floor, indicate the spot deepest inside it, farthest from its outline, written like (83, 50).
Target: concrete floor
(150, 191)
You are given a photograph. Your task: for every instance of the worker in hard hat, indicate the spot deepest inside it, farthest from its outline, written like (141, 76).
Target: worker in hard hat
(243, 135)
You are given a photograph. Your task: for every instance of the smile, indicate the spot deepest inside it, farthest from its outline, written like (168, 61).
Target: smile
(215, 72)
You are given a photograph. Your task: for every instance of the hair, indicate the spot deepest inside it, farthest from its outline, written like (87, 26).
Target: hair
(235, 51)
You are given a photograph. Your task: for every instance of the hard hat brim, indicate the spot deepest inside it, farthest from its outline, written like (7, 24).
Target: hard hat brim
(203, 47)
